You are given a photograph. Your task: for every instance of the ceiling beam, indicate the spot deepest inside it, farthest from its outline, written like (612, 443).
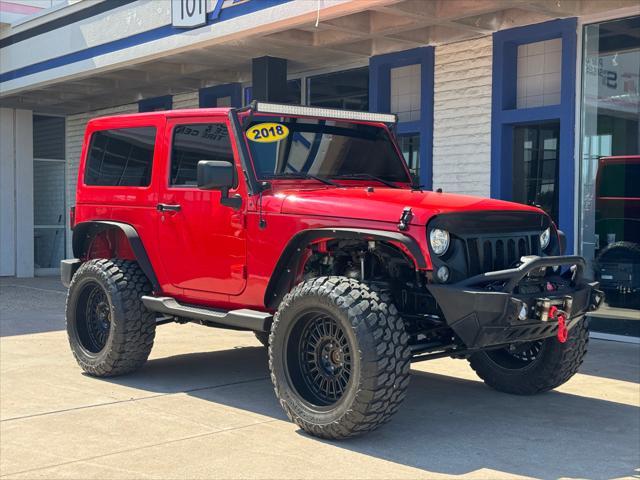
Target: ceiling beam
(293, 37)
(355, 23)
(455, 9)
(555, 8)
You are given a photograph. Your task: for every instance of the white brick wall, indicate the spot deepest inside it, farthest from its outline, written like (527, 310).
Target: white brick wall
(462, 117)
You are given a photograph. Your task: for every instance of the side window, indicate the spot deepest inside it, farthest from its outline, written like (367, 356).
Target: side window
(121, 157)
(192, 143)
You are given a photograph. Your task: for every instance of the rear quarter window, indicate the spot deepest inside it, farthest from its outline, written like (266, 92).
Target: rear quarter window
(120, 157)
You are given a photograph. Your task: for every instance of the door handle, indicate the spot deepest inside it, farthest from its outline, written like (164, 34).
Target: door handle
(164, 207)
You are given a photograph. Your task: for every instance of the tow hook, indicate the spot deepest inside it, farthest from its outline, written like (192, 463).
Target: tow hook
(556, 313)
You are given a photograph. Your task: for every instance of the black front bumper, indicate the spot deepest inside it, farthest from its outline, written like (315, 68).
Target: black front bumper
(484, 318)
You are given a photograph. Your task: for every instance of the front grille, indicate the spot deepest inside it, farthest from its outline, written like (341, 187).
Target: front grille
(498, 253)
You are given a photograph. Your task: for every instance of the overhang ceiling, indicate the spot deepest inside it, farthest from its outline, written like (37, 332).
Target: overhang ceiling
(335, 42)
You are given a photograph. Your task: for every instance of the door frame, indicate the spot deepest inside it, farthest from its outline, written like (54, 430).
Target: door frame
(66, 247)
(505, 116)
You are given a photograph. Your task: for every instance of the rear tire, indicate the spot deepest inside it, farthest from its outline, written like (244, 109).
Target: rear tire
(110, 331)
(543, 366)
(338, 356)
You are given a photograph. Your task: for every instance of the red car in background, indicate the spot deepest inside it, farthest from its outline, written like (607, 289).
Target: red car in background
(618, 229)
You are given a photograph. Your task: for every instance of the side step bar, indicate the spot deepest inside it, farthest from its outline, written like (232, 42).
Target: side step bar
(243, 319)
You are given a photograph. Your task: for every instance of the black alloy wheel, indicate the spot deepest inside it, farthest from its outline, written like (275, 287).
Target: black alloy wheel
(339, 357)
(94, 323)
(517, 356)
(319, 359)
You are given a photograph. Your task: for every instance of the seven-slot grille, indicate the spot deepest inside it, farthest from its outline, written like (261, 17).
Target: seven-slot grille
(487, 254)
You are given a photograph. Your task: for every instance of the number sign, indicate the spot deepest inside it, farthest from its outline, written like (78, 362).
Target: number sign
(188, 13)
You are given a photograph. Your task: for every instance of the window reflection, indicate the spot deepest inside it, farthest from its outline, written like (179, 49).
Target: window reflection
(610, 165)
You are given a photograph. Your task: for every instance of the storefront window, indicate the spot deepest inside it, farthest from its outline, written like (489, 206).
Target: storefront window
(610, 161)
(539, 77)
(348, 90)
(406, 85)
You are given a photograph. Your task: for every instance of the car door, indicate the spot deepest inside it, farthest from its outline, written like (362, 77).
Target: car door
(203, 243)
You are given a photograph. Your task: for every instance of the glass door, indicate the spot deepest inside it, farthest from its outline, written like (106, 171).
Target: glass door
(610, 169)
(49, 213)
(535, 166)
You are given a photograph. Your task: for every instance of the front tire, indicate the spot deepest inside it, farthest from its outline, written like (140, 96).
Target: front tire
(338, 356)
(110, 331)
(534, 367)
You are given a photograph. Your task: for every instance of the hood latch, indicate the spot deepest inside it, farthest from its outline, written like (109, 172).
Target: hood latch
(405, 218)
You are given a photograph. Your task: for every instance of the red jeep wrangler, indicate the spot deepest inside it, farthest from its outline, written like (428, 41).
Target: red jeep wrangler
(304, 226)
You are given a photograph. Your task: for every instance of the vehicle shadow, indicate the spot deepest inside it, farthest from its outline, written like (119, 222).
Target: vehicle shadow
(446, 425)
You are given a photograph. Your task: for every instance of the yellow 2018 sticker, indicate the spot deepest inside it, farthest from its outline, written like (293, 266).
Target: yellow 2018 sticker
(267, 132)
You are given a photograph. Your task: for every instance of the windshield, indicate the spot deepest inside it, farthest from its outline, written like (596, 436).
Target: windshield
(307, 148)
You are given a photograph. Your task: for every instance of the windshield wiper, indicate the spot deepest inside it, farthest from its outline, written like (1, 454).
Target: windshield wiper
(303, 175)
(356, 176)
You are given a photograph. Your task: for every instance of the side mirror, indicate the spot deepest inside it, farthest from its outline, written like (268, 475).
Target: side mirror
(215, 175)
(219, 175)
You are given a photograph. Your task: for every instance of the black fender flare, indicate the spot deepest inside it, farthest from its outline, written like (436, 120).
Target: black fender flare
(84, 230)
(290, 256)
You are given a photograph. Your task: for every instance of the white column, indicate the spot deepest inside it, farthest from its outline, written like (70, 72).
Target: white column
(24, 192)
(7, 193)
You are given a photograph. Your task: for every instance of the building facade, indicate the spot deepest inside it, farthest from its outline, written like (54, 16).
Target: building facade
(514, 99)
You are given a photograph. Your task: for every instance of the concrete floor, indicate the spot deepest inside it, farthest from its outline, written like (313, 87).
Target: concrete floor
(203, 407)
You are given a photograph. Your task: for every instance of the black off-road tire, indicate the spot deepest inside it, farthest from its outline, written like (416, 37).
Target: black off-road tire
(626, 252)
(554, 365)
(263, 338)
(380, 356)
(131, 327)
(620, 252)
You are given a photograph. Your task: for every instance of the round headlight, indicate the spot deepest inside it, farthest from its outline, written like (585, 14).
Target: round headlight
(545, 237)
(439, 240)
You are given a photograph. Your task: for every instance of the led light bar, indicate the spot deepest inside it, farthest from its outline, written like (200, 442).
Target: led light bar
(279, 109)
